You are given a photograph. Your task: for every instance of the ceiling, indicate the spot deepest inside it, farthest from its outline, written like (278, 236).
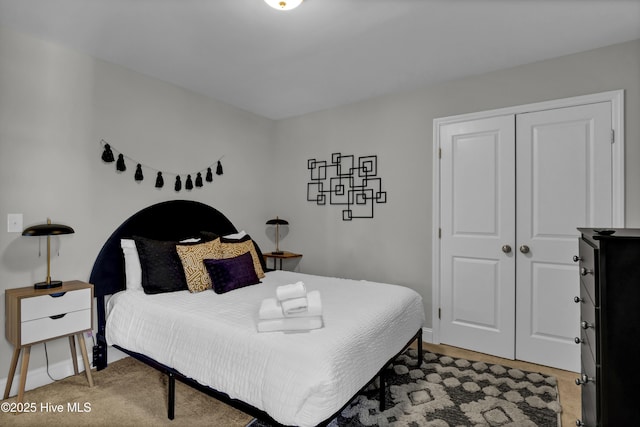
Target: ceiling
(326, 52)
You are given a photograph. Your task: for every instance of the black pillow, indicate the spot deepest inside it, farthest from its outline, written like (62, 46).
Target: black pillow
(162, 269)
(207, 236)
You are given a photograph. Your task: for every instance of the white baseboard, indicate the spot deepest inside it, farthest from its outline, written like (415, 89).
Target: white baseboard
(427, 335)
(60, 370)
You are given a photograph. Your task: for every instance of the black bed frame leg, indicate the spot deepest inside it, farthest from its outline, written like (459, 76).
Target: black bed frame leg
(383, 390)
(420, 353)
(171, 396)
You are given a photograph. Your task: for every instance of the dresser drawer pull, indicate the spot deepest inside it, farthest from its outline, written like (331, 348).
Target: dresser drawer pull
(57, 294)
(577, 340)
(57, 316)
(585, 271)
(577, 300)
(584, 380)
(586, 325)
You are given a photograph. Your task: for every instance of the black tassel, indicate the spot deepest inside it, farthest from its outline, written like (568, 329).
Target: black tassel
(107, 154)
(120, 163)
(209, 175)
(159, 181)
(199, 180)
(189, 184)
(178, 186)
(219, 168)
(138, 175)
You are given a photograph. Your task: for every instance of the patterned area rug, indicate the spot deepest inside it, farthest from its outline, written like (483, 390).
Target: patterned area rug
(448, 392)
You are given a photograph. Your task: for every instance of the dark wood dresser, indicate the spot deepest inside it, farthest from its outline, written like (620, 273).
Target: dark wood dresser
(610, 325)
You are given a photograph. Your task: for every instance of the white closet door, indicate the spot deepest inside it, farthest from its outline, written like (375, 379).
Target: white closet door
(564, 181)
(478, 222)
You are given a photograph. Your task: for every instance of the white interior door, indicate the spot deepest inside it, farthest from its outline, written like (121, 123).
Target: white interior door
(564, 181)
(477, 223)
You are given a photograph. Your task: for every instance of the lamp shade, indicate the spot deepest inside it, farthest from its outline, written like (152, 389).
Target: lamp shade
(277, 221)
(48, 230)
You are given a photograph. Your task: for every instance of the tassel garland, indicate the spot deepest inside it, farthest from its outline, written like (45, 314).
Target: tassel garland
(107, 154)
(120, 163)
(108, 157)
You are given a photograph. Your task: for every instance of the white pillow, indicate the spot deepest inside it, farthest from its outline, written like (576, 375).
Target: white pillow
(132, 268)
(191, 240)
(236, 236)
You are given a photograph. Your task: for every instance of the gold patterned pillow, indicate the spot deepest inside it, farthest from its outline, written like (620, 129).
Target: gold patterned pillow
(192, 257)
(234, 249)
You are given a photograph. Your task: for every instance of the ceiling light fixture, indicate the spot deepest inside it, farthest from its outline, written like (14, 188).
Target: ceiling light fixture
(283, 4)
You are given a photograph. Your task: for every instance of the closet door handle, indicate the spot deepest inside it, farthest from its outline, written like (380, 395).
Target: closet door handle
(506, 249)
(524, 249)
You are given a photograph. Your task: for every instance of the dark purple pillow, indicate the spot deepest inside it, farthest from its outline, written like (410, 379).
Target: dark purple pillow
(231, 273)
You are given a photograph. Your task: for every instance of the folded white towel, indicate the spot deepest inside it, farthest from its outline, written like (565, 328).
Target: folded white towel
(290, 324)
(294, 305)
(314, 306)
(270, 308)
(294, 290)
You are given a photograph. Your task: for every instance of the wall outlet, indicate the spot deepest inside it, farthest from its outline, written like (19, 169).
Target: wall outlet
(14, 223)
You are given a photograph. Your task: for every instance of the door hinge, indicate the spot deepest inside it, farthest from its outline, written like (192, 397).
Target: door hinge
(439, 233)
(613, 136)
(439, 313)
(439, 153)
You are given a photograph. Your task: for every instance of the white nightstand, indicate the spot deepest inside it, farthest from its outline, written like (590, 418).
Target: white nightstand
(37, 315)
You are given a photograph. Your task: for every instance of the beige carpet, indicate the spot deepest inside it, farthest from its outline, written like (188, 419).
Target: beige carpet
(112, 403)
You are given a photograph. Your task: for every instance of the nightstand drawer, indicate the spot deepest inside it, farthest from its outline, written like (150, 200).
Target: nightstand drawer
(46, 328)
(44, 306)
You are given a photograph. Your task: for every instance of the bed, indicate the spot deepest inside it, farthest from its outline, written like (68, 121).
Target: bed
(209, 340)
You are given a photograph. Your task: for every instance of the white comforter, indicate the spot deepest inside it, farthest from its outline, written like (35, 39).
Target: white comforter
(297, 378)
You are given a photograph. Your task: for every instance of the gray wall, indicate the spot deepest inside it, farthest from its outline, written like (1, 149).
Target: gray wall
(56, 105)
(395, 246)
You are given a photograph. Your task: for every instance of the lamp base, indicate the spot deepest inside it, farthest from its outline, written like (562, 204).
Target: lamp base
(48, 285)
(278, 252)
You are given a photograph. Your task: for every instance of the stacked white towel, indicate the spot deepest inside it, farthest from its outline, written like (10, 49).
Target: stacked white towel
(293, 309)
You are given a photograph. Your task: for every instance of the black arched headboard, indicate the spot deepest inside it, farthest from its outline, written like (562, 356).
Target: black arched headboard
(172, 220)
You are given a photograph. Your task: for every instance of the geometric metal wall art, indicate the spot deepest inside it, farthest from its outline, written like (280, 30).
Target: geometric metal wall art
(348, 181)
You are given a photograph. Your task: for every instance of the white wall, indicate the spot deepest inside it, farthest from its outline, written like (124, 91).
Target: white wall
(55, 107)
(395, 246)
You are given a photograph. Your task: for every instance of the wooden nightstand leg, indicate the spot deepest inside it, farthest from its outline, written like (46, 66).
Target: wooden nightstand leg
(12, 371)
(23, 371)
(85, 358)
(74, 356)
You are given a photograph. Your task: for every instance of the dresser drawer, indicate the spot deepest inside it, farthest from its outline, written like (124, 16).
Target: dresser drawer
(46, 327)
(588, 270)
(588, 316)
(588, 392)
(44, 306)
